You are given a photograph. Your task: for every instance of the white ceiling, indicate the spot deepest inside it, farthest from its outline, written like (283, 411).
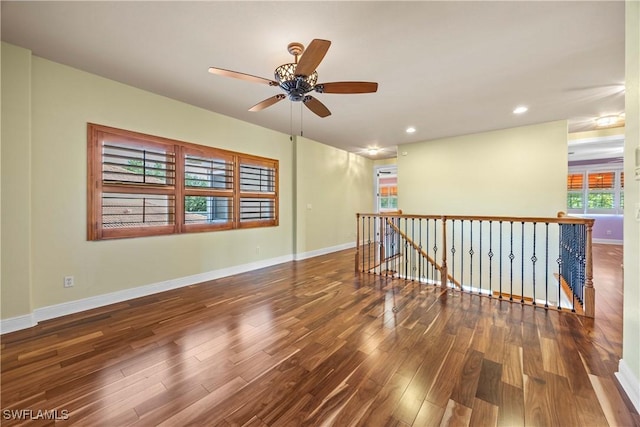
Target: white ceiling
(600, 148)
(447, 68)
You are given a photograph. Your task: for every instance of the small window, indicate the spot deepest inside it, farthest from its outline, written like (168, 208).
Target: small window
(575, 181)
(387, 193)
(596, 190)
(142, 185)
(601, 191)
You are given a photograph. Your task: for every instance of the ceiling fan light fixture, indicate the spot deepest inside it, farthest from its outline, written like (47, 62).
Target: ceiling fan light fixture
(605, 121)
(296, 86)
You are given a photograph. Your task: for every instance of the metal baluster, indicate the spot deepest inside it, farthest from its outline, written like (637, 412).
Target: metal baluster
(546, 263)
(413, 251)
(534, 259)
(480, 255)
(385, 251)
(368, 244)
(500, 296)
(383, 234)
(578, 265)
(427, 246)
(490, 258)
(471, 255)
(453, 250)
(559, 261)
(583, 266)
(462, 254)
(381, 249)
(522, 266)
(389, 246)
(420, 258)
(435, 247)
(363, 248)
(511, 258)
(406, 251)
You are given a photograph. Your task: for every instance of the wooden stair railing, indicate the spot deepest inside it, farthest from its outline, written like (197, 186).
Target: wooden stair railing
(516, 257)
(421, 252)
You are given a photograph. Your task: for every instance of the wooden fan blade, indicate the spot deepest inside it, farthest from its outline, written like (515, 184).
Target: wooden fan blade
(316, 106)
(267, 102)
(312, 57)
(241, 76)
(347, 87)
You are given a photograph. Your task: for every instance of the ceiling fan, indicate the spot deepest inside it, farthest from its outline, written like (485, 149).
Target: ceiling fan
(298, 78)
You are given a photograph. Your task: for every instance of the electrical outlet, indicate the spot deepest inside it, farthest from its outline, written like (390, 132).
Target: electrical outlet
(68, 281)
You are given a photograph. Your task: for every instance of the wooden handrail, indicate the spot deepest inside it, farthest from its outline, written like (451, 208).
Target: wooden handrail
(586, 292)
(421, 251)
(550, 220)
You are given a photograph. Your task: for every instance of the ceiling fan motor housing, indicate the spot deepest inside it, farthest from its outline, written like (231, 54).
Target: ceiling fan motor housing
(295, 86)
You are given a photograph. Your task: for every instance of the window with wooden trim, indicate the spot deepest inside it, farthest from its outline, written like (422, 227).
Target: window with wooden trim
(258, 182)
(143, 185)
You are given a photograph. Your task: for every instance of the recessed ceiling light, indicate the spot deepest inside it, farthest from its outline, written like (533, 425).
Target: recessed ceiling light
(521, 109)
(411, 129)
(373, 151)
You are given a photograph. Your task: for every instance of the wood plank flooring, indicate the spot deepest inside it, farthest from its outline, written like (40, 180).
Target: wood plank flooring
(312, 343)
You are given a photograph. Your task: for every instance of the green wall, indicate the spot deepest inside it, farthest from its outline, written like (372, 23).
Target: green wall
(512, 172)
(16, 182)
(332, 186)
(46, 109)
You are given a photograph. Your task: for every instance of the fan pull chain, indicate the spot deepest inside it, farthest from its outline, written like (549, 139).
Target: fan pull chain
(301, 127)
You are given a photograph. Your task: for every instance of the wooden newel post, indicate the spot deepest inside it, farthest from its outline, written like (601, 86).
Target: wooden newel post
(444, 274)
(589, 290)
(357, 263)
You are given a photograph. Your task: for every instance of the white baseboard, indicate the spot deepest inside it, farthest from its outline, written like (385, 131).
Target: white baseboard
(50, 312)
(17, 323)
(629, 383)
(608, 241)
(324, 251)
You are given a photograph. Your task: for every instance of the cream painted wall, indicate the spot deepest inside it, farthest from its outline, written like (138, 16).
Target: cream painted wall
(63, 101)
(336, 185)
(631, 327)
(49, 105)
(16, 182)
(385, 162)
(512, 172)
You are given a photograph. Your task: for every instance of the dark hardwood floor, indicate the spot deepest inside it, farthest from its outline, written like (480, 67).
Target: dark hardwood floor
(312, 343)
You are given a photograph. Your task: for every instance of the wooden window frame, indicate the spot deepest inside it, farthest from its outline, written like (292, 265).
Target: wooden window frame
(248, 160)
(176, 191)
(206, 152)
